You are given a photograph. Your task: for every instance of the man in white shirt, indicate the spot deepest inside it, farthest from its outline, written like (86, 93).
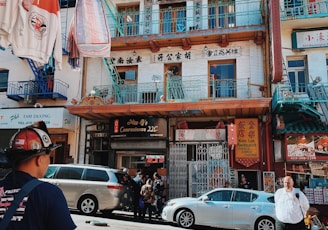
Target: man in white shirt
(291, 206)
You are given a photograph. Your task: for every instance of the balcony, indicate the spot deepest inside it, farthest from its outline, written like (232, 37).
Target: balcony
(311, 99)
(309, 14)
(187, 25)
(30, 91)
(178, 89)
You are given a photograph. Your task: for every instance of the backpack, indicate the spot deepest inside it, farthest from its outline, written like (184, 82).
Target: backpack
(148, 195)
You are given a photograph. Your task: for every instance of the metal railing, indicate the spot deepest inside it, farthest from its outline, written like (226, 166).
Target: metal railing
(20, 89)
(190, 89)
(304, 10)
(188, 18)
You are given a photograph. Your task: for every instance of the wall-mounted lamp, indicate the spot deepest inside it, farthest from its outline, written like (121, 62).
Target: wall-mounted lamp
(205, 49)
(134, 53)
(92, 93)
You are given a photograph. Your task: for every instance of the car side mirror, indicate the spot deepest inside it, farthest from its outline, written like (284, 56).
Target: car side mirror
(205, 198)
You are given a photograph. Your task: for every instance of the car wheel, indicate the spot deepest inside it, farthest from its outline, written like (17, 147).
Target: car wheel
(88, 205)
(264, 224)
(185, 219)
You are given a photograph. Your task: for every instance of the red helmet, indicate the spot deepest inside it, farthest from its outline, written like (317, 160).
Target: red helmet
(30, 141)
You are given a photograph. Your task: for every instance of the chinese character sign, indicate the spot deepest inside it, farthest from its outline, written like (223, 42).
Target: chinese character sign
(247, 149)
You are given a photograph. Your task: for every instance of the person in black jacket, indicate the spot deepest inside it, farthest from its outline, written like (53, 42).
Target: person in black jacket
(244, 183)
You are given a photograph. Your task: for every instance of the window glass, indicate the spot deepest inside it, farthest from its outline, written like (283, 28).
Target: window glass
(69, 173)
(50, 172)
(4, 80)
(220, 195)
(96, 175)
(297, 74)
(243, 196)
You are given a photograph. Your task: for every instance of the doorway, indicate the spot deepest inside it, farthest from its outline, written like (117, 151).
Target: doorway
(173, 82)
(61, 154)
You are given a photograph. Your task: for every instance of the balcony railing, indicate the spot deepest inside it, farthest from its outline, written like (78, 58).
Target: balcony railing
(53, 89)
(304, 10)
(184, 19)
(183, 89)
(304, 98)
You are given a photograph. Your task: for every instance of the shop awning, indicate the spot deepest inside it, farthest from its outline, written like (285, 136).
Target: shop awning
(302, 126)
(210, 108)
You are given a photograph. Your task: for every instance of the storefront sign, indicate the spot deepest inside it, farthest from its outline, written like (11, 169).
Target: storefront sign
(138, 127)
(200, 134)
(310, 39)
(53, 117)
(302, 147)
(247, 149)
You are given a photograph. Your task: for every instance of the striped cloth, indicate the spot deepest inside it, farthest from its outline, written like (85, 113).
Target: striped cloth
(91, 31)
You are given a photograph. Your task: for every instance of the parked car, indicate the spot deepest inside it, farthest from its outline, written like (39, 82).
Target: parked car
(228, 208)
(90, 188)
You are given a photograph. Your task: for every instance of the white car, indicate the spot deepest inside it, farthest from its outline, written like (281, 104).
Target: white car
(229, 208)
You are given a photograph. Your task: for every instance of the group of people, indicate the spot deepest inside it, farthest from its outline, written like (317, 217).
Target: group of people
(150, 197)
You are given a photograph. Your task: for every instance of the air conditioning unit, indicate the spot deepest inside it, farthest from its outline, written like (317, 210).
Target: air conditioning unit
(30, 99)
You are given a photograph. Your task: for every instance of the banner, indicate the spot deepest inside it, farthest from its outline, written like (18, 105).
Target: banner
(247, 149)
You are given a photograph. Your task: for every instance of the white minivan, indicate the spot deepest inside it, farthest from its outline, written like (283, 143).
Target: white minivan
(91, 188)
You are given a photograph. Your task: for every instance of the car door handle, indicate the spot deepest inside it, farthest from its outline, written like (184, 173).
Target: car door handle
(255, 207)
(226, 206)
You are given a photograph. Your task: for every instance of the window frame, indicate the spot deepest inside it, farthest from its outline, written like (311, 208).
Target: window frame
(4, 76)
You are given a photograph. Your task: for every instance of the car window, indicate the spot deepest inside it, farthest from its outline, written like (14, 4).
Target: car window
(96, 175)
(244, 196)
(119, 177)
(50, 172)
(69, 173)
(271, 199)
(220, 195)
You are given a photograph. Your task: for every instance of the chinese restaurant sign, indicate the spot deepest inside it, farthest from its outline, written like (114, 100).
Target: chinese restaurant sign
(247, 149)
(310, 39)
(138, 126)
(307, 148)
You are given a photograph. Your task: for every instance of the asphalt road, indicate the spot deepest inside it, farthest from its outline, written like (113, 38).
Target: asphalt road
(122, 221)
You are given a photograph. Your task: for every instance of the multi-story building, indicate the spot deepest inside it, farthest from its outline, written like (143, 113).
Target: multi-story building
(208, 61)
(31, 91)
(299, 103)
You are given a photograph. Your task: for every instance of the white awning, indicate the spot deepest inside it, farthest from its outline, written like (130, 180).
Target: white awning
(20, 117)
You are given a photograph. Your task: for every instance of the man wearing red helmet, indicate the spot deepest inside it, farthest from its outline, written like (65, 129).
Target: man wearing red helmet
(45, 207)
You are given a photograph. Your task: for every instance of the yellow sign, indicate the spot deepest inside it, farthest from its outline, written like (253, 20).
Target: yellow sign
(247, 149)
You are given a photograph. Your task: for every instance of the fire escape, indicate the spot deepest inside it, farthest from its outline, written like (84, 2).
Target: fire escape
(44, 86)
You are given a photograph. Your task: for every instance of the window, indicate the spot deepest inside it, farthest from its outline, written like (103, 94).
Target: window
(128, 85)
(69, 173)
(220, 196)
(294, 7)
(4, 80)
(173, 18)
(243, 196)
(327, 65)
(221, 14)
(297, 74)
(129, 20)
(222, 79)
(96, 175)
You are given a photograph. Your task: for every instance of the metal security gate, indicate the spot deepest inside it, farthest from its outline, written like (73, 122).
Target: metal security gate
(207, 168)
(178, 170)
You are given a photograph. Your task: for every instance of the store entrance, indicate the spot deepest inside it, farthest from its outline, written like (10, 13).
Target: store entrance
(146, 161)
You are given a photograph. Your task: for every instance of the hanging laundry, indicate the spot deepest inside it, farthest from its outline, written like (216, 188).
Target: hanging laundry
(37, 31)
(73, 51)
(8, 16)
(91, 30)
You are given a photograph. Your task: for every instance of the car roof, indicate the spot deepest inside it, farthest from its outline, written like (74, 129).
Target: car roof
(87, 166)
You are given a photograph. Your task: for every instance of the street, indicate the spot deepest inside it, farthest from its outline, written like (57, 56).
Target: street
(122, 221)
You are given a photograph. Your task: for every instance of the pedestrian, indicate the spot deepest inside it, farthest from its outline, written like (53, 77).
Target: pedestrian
(291, 206)
(45, 206)
(147, 194)
(227, 184)
(244, 183)
(158, 187)
(137, 202)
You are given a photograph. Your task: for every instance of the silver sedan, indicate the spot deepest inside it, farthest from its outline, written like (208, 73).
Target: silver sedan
(229, 208)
